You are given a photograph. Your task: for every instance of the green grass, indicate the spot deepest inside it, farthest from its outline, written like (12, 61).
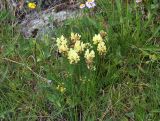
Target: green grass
(124, 87)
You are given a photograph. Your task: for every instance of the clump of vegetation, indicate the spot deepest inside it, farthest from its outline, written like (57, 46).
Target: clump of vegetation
(87, 75)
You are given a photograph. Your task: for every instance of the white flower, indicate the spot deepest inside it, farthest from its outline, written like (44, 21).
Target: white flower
(49, 81)
(90, 4)
(138, 1)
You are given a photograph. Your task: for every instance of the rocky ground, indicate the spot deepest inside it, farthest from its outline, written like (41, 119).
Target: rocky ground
(45, 17)
(37, 24)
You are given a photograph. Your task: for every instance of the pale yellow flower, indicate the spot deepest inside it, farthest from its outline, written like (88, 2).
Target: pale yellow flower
(97, 39)
(73, 56)
(79, 46)
(82, 6)
(61, 88)
(89, 56)
(75, 37)
(101, 48)
(61, 40)
(90, 0)
(63, 48)
(62, 44)
(31, 5)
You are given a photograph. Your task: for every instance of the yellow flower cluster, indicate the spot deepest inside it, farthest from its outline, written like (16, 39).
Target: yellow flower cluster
(73, 56)
(89, 56)
(97, 39)
(62, 44)
(31, 5)
(101, 47)
(77, 47)
(75, 37)
(61, 88)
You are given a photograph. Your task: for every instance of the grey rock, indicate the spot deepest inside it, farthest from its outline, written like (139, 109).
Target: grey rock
(45, 21)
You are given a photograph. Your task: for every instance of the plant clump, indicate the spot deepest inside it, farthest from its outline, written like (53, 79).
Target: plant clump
(75, 49)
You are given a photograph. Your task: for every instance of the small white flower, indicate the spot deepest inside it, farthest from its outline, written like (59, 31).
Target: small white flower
(49, 81)
(138, 1)
(91, 4)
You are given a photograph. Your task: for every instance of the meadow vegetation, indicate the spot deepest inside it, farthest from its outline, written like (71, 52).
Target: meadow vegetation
(55, 80)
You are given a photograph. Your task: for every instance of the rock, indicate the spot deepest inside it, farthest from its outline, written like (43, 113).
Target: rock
(45, 21)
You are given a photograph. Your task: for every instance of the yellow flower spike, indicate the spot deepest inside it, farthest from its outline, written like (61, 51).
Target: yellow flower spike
(62, 44)
(89, 56)
(61, 40)
(75, 37)
(73, 56)
(31, 5)
(63, 48)
(97, 39)
(101, 48)
(79, 46)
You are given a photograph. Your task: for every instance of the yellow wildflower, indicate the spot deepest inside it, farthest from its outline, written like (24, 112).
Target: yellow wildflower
(101, 48)
(62, 44)
(82, 6)
(75, 37)
(61, 40)
(89, 56)
(79, 46)
(31, 5)
(63, 48)
(62, 89)
(97, 39)
(73, 56)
